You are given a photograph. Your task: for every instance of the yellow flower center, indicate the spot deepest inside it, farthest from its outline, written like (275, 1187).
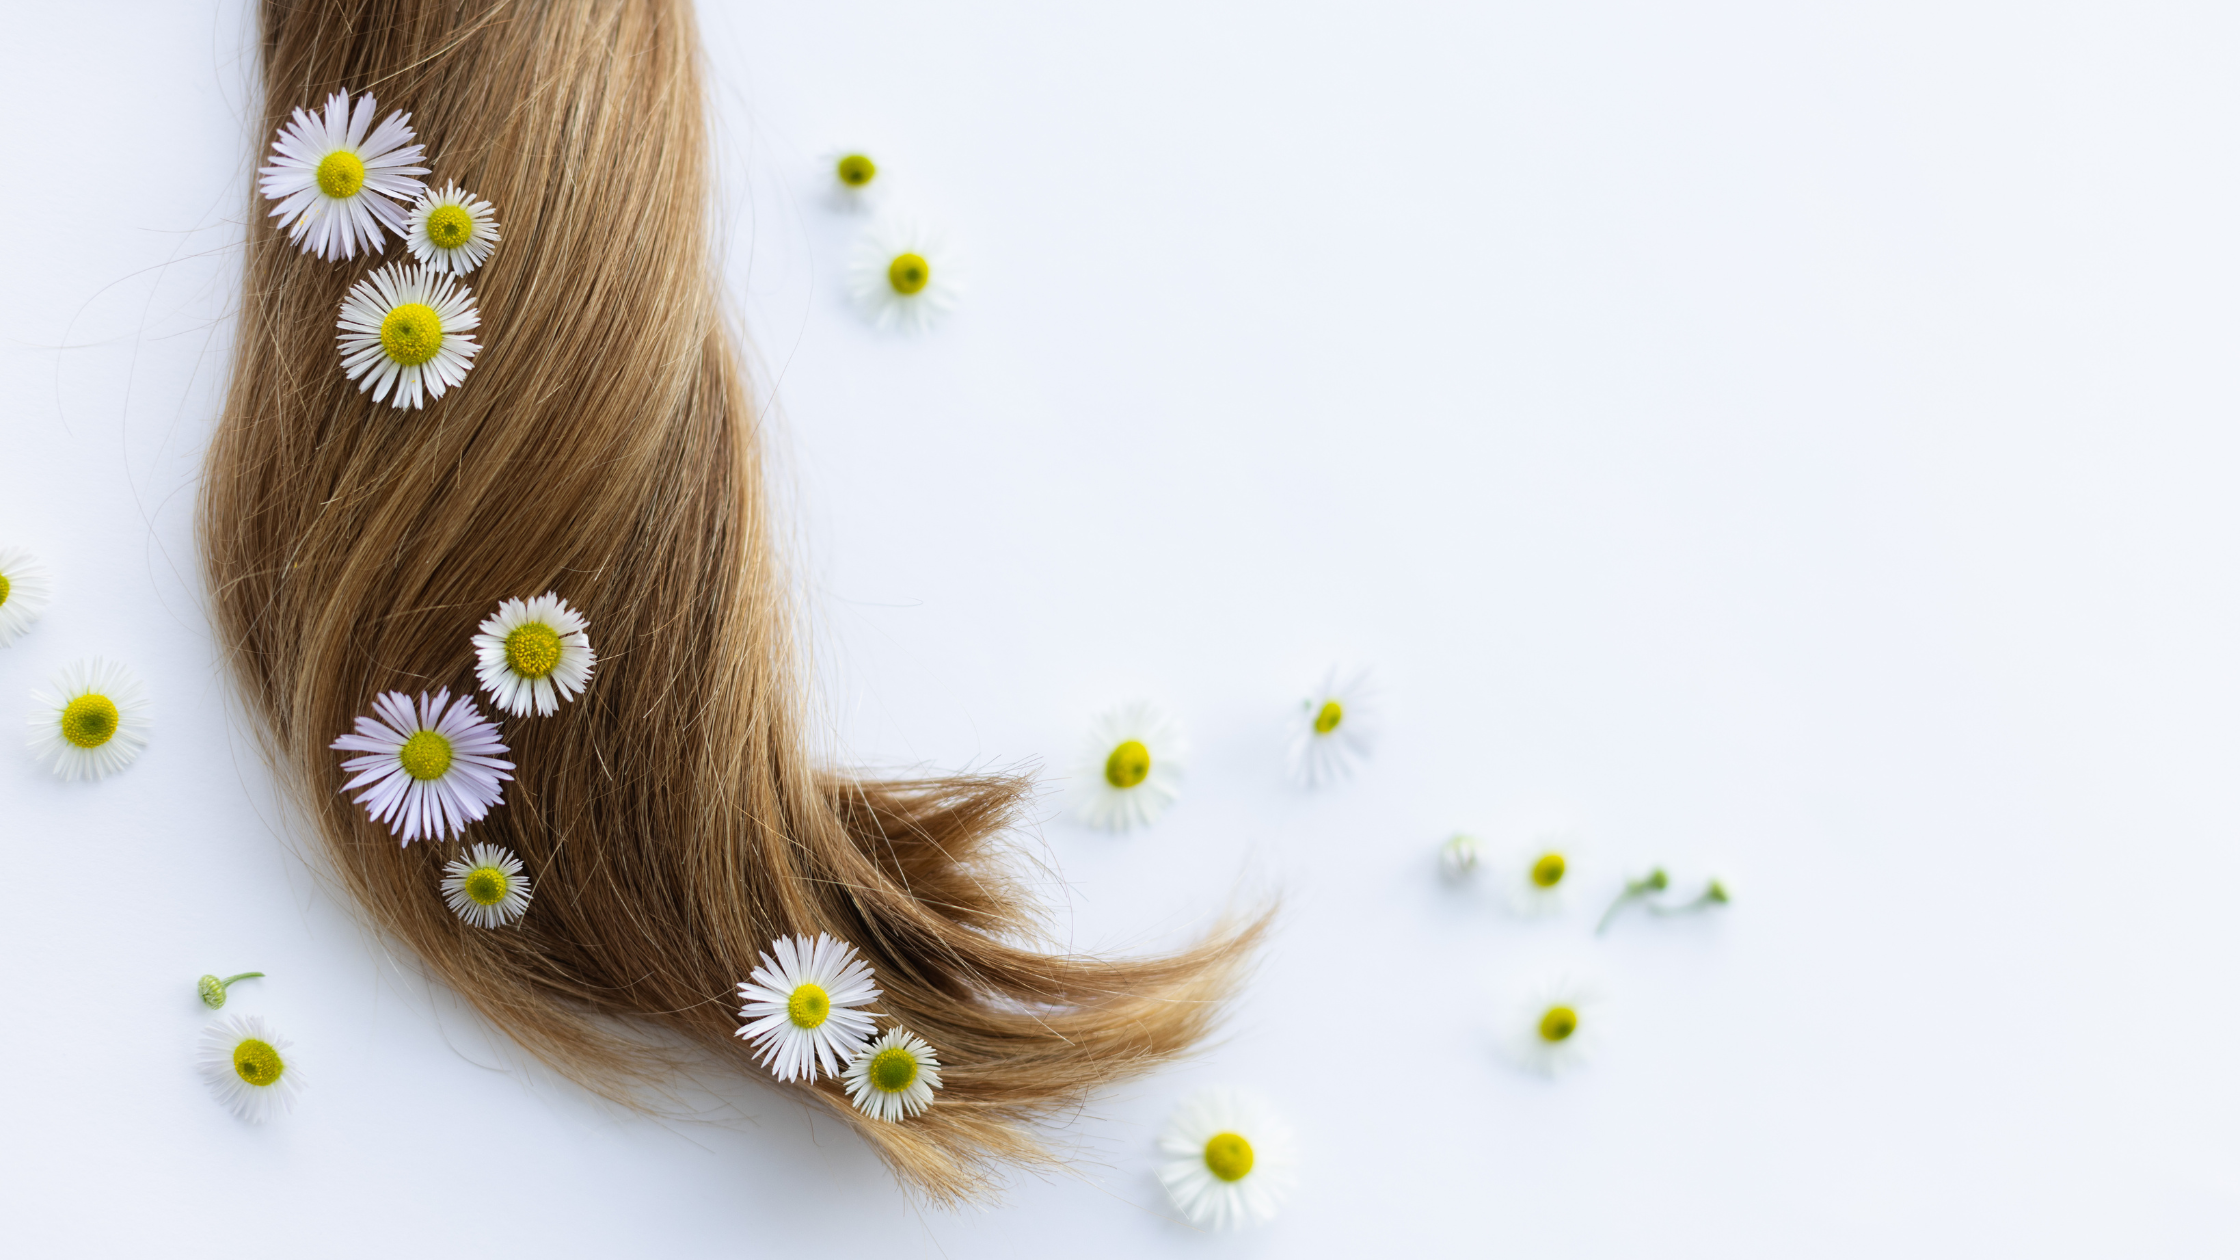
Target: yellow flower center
(341, 174)
(89, 721)
(533, 649)
(4, 588)
(908, 273)
(1560, 1022)
(856, 170)
(449, 226)
(893, 1070)
(426, 755)
(257, 1062)
(1327, 720)
(412, 334)
(486, 885)
(1548, 871)
(1129, 765)
(1228, 1156)
(809, 1007)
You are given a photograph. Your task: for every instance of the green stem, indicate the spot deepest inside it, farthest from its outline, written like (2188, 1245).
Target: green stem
(246, 975)
(1655, 881)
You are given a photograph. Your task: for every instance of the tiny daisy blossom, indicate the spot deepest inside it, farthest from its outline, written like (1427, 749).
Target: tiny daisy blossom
(1231, 1160)
(1557, 1025)
(1539, 873)
(486, 887)
(532, 654)
(1335, 730)
(429, 768)
(406, 328)
(1131, 767)
(25, 590)
(337, 186)
(893, 1078)
(92, 720)
(1458, 857)
(804, 1006)
(451, 229)
(249, 1067)
(904, 274)
(855, 178)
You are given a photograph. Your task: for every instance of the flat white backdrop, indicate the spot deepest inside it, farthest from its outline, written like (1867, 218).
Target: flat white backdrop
(1795, 441)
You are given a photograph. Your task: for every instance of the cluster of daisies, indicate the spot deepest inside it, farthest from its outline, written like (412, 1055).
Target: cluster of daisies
(902, 271)
(341, 185)
(806, 1012)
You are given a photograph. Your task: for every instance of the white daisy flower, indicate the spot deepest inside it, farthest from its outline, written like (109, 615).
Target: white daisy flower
(1539, 873)
(249, 1067)
(25, 590)
(486, 887)
(1230, 1160)
(337, 186)
(1557, 1026)
(1336, 730)
(532, 654)
(407, 327)
(854, 176)
(804, 1007)
(904, 274)
(91, 721)
(429, 769)
(1458, 857)
(451, 229)
(1131, 768)
(893, 1078)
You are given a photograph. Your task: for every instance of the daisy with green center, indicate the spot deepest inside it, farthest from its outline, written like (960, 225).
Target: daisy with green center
(854, 178)
(429, 768)
(893, 1078)
(406, 330)
(1131, 768)
(1557, 1026)
(1539, 873)
(486, 887)
(1335, 730)
(337, 186)
(904, 275)
(804, 1006)
(25, 590)
(91, 721)
(451, 230)
(533, 654)
(250, 1067)
(1230, 1160)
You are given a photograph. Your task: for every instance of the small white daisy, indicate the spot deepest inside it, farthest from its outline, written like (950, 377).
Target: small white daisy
(804, 1006)
(1539, 873)
(91, 721)
(1230, 1160)
(486, 887)
(893, 1078)
(429, 769)
(532, 654)
(904, 274)
(451, 229)
(25, 590)
(1336, 730)
(249, 1067)
(1557, 1026)
(854, 176)
(1131, 767)
(1458, 857)
(407, 327)
(337, 186)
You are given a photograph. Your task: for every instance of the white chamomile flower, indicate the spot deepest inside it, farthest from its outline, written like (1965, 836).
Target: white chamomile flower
(486, 887)
(1539, 873)
(1230, 1160)
(25, 590)
(532, 654)
(1458, 857)
(91, 721)
(1557, 1026)
(408, 328)
(1336, 730)
(249, 1067)
(893, 1078)
(854, 176)
(1131, 768)
(337, 186)
(804, 1006)
(429, 768)
(451, 229)
(904, 274)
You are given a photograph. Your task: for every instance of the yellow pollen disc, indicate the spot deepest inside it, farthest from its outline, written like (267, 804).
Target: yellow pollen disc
(1560, 1022)
(1228, 1156)
(449, 226)
(486, 885)
(1129, 765)
(426, 755)
(341, 174)
(89, 721)
(533, 649)
(893, 1070)
(257, 1062)
(412, 334)
(908, 273)
(1327, 720)
(856, 170)
(4, 589)
(809, 1007)
(1548, 871)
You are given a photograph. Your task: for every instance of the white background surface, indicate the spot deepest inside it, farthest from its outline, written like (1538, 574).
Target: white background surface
(1799, 445)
